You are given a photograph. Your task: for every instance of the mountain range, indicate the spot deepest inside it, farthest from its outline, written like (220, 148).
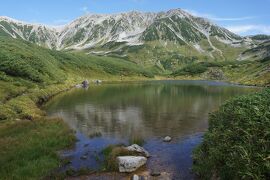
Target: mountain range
(165, 40)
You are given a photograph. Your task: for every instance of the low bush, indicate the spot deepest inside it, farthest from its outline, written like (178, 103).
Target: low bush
(237, 144)
(191, 69)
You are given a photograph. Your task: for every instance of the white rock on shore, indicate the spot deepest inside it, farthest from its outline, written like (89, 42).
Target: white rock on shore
(130, 163)
(167, 139)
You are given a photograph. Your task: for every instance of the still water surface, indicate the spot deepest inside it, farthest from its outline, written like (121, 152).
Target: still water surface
(119, 113)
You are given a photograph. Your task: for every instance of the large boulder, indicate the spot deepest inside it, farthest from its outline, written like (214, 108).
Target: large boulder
(138, 149)
(130, 163)
(216, 74)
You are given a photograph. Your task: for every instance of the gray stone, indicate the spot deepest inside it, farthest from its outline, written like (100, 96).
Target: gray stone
(85, 145)
(167, 139)
(216, 74)
(130, 163)
(85, 83)
(155, 173)
(139, 149)
(83, 157)
(135, 177)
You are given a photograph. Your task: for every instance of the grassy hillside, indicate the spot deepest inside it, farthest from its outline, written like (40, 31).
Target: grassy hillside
(169, 56)
(26, 68)
(25, 60)
(242, 72)
(29, 76)
(261, 52)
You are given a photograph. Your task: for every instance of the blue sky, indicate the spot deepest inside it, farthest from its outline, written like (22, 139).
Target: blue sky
(240, 16)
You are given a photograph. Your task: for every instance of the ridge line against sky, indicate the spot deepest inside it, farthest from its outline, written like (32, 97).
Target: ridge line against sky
(244, 17)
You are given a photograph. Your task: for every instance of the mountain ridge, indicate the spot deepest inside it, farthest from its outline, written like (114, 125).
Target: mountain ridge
(168, 39)
(59, 36)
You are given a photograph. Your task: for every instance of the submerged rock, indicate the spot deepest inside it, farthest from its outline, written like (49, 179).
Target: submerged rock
(139, 149)
(159, 176)
(130, 163)
(85, 145)
(155, 173)
(167, 139)
(84, 157)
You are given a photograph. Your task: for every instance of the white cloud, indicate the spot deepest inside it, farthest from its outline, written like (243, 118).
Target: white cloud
(85, 9)
(216, 18)
(250, 29)
(231, 19)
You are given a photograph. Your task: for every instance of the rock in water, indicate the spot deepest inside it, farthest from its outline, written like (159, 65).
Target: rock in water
(155, 173)
(83, 157)
(167, 139)
(130, 163)
(98, 81)
(135, 177)
(85, 83)
(139, 149)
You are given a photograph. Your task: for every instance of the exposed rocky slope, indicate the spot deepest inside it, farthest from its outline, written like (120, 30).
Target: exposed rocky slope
(132, 28)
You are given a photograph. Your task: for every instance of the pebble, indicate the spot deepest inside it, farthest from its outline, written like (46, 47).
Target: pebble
(155, 173)
(167, 139)
(83, 157)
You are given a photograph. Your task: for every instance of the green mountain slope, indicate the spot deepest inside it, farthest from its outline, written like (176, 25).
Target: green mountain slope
(162, 40)
(260, 52)
(22, 59)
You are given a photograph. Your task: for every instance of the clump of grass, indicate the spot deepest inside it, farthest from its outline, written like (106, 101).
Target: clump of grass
(136, 140)
(28, 149)
(110, 156)
(237, 143)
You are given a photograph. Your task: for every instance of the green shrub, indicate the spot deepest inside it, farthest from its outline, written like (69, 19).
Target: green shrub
(191, 69)
(31, 62)
(237, 144)
(136, 140)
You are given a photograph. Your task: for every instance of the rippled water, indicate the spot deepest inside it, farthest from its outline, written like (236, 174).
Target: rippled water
(119, 113)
